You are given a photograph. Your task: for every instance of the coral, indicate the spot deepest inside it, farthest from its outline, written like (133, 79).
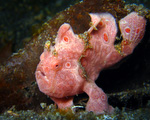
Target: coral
(72, 65)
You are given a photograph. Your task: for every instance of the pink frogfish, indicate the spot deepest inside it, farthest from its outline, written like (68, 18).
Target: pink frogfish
(72, 65)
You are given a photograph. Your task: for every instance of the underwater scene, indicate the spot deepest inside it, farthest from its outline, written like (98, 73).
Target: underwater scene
(75, 60)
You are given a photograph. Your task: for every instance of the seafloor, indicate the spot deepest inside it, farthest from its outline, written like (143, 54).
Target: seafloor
(127, 84)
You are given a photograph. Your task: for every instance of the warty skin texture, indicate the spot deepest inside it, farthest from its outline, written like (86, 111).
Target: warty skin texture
(72, 65)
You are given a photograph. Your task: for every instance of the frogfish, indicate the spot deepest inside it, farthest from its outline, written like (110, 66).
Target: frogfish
(72, 65)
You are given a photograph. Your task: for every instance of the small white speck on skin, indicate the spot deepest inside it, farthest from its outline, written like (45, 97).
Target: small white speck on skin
(123, 22)
(105, 61)
(106, 20)
(46, 78)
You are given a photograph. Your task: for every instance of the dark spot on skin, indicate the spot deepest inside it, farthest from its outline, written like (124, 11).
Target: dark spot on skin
(42, 73)
(56, 66)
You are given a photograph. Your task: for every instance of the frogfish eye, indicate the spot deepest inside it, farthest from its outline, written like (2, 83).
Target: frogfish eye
(57, 66)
